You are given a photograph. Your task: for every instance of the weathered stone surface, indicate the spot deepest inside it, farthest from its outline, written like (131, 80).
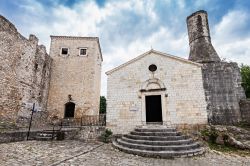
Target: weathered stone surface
(85, 133)
(227, 135)
(245, 110)
(219, 140)
(14, 136)
(201, 48)
(233, 142)
(222, 80)
(25, 74)
(223, 90)
(78, 76)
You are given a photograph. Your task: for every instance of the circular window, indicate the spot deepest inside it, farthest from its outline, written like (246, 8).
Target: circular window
(152, 68)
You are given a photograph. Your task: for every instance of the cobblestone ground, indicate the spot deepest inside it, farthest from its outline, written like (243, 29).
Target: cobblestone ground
(91, 154)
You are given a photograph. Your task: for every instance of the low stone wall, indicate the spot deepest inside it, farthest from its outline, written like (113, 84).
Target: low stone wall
(84, 133)
(245, 110)
(15, 136)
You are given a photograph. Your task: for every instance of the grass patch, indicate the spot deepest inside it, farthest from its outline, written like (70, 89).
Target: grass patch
(244, 125)
(228, 149)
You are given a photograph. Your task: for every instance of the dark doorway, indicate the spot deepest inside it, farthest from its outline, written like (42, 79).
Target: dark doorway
(153, 109)
(69, 110)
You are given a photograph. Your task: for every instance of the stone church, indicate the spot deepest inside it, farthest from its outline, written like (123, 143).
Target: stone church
(159, 88)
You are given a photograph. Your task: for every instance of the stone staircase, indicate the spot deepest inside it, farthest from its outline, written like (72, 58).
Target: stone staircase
(158, 141)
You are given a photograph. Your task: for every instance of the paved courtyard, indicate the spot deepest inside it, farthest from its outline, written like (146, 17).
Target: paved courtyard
(90, 154)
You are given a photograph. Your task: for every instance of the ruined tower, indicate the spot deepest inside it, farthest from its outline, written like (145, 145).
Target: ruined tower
(221, 80)
(25, 74)
(201, 48)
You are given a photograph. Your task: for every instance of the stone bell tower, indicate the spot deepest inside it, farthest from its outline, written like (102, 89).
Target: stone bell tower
(221, 80)
(201, 48)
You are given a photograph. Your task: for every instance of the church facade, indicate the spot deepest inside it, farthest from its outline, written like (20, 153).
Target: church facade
(155, 88)
(160, 88)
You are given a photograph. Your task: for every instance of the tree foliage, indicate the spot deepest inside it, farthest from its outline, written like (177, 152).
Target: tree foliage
(102, 109)
(245, 74)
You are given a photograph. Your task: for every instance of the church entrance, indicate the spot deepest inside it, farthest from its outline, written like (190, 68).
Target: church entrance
(153, 109)
(69, 110)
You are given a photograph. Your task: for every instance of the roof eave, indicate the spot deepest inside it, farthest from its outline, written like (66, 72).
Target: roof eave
(148, 52)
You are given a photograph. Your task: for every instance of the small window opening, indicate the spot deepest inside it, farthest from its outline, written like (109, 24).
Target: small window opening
(36, 66)
(64, 51)
(83, 51)
(152, 68)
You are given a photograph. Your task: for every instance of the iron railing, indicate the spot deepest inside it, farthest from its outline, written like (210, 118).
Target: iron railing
(86, 120)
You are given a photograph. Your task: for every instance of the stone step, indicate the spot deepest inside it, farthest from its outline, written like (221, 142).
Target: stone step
(160, 154)
(43, 138)
(148, 142)
(155, 138)
(154, 124)
(44, 135)
(155, 129)
(49, 131)
(157, 147)
(155, 133)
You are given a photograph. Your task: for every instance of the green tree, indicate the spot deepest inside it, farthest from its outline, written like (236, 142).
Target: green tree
(245, 74)
(102, 109)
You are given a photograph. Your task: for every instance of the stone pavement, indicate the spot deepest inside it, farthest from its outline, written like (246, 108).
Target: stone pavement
(64, 153)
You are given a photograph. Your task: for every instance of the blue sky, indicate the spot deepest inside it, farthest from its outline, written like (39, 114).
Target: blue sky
(128, 28)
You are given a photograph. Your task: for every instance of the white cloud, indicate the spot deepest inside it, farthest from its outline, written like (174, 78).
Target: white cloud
(121, 38)
(229, 40)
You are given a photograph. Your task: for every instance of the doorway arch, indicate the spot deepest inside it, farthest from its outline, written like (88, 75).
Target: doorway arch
(69, 111)
(153, 95)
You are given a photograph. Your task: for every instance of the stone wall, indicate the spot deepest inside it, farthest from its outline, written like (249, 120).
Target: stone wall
(179, 82)
(245, 110)
(222, 84)
(78, 76)
(15, 136)
(84, 133)
(25, 74)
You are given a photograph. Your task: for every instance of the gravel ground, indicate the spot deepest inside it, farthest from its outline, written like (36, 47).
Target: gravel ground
(94, 154)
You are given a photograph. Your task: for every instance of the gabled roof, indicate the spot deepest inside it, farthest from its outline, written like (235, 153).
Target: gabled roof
(156, 52)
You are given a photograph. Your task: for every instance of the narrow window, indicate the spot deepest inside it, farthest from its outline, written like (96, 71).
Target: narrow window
(36, 66)
(83, 52)
(64, 51)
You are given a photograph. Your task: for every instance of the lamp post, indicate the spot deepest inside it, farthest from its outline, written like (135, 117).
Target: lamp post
(33, 109)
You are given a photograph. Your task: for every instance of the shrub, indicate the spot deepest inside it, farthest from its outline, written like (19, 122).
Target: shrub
(106, 136)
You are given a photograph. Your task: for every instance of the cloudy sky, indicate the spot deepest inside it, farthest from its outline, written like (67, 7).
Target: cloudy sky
(128, 28)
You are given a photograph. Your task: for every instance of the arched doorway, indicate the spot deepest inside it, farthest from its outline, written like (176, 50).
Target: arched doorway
(153, 93)
(69, 110)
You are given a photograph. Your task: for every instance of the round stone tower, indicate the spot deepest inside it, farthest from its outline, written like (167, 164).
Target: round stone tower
(201, 48)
